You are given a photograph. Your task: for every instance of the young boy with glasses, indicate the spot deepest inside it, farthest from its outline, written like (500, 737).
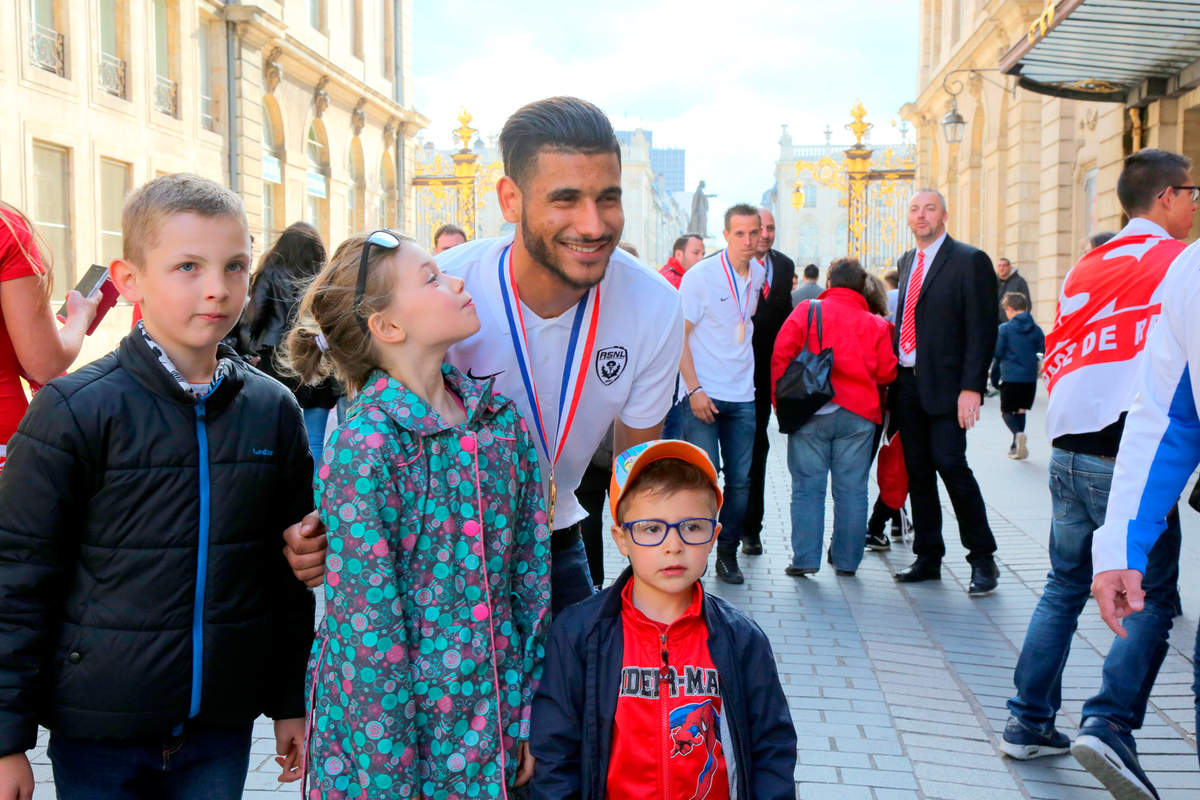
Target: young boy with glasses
(654, 688)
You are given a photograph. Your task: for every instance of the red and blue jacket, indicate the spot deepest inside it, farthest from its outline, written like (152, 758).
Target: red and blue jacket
(576, 711)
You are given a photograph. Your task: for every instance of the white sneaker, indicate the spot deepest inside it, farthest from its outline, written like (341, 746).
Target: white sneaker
(1022, 450)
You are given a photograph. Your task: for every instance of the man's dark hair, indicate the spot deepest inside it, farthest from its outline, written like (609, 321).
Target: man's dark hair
(1100, 238)
(846, 273)
(447, 228)
(811, 273)
(557, 124)
(682, 242)
(892, 278)
(740, 210)
(1004, 258)
(1146, 174)
(1016, 301)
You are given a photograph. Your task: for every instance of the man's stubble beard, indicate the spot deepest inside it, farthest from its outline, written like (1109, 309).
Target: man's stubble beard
(540, 253)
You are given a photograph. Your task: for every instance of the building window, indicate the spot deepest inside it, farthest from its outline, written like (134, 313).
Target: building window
(316, 14)
(208, 101)
(272, 173)
(52, 208)
(1089, 202)
(166, 51)
(47, 45)
(114, 185)
(387, 193)
(356, 192)
(385, 37)
(353, 14)
(113, 44)
(316, 193)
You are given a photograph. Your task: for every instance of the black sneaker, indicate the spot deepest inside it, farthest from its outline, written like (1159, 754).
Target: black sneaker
(727, 569)
(798, 572)
(878, 542)
(1021, 743)
(752, 546)
(1105, 754)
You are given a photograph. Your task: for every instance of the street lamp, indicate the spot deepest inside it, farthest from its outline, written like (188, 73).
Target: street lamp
(953, 123)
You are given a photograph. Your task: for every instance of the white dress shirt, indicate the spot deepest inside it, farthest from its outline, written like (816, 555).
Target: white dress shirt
(910, 359)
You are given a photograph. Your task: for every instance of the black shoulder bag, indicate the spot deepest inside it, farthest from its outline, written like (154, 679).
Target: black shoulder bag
(807, 384)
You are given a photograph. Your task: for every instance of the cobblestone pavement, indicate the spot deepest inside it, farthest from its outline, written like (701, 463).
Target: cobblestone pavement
(898, 692)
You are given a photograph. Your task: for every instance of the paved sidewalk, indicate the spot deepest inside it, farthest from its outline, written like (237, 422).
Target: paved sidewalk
(899, 692)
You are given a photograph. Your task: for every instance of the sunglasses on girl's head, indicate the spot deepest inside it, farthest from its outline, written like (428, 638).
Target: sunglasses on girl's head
(380, 238)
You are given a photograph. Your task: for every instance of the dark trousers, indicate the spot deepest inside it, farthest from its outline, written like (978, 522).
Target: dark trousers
(198, 764)
(935, 444)
(752, 526)
(592, 490)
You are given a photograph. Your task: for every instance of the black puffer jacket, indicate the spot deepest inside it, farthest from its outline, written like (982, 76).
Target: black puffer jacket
(142, 581)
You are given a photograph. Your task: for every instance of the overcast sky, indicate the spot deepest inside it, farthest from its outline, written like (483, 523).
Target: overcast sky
(717, 79)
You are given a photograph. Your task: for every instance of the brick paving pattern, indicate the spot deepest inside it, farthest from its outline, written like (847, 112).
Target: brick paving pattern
(898, 692)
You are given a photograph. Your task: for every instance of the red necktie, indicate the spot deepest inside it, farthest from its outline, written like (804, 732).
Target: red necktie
(908, 328)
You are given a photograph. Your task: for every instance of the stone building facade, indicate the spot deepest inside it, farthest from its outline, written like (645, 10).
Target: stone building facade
(1035, 171)
(300, 106)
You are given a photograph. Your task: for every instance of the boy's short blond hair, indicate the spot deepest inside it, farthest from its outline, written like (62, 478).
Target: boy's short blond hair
(167, 195)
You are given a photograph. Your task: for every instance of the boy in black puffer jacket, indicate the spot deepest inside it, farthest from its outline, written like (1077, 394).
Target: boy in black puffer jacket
(147, 615)
(1020, 344)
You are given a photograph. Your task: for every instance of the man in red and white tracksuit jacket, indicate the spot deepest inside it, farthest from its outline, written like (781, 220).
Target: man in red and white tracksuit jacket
(1110, 302)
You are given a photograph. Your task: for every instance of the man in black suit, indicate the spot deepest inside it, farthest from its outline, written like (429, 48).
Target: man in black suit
(773, 308)
(945, 338)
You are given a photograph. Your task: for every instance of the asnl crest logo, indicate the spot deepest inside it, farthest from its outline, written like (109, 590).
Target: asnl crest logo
(696, 728)
(610, 363)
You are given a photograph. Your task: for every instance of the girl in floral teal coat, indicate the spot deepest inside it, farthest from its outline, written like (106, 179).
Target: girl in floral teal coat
(437, 585)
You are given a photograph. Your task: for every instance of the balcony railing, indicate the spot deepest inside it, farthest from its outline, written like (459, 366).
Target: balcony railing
(166, 95)
(208, 113)
(47, 49)
(112, 75)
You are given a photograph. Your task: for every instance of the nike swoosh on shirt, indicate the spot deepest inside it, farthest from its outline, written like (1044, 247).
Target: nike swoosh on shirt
(723, 299)
(472, 376)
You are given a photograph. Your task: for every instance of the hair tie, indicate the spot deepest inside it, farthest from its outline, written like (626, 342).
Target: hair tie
(322, 345)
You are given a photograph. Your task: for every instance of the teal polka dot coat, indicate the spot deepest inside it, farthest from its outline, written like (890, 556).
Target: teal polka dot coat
(437, 596)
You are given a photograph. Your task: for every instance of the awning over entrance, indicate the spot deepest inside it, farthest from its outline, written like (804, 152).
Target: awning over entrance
(1130, 51)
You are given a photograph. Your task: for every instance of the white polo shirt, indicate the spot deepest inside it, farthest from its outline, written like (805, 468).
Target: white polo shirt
(724, 366)
(631, 374)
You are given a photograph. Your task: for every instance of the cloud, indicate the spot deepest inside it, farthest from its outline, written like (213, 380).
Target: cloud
(718, 80)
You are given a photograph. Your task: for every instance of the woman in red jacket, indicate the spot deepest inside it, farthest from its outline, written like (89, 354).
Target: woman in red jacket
(839, 437)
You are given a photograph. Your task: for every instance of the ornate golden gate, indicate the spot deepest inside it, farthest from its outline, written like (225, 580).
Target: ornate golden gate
(873, 188)
(452, 191)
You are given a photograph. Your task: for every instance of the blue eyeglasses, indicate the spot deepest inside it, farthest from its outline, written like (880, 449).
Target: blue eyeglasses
(653, 532)
(380, 238)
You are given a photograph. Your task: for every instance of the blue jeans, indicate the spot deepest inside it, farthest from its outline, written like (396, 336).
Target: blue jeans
(673, 423)
(570, 578)
(838, 444)
(199, 764)
(729, 442)
(1079, 487)
(315, 420)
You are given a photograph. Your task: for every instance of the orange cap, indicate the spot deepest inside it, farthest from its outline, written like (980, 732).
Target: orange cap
(627, 465)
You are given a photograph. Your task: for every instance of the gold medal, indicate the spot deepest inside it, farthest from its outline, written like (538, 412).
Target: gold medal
(553, 499)
(741, 330)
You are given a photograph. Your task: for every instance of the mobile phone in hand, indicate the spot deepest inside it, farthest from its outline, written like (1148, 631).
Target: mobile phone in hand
(95, 281)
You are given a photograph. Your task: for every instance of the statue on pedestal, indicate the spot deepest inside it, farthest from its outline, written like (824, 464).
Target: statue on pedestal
(699, 219)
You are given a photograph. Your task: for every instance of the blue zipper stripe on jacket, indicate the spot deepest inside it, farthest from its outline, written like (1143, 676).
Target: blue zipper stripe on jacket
(201, 555)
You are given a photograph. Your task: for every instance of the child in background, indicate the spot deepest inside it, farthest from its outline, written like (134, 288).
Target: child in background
(437, 590)
(147, 615)
(654, 688)
(1020, 343)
